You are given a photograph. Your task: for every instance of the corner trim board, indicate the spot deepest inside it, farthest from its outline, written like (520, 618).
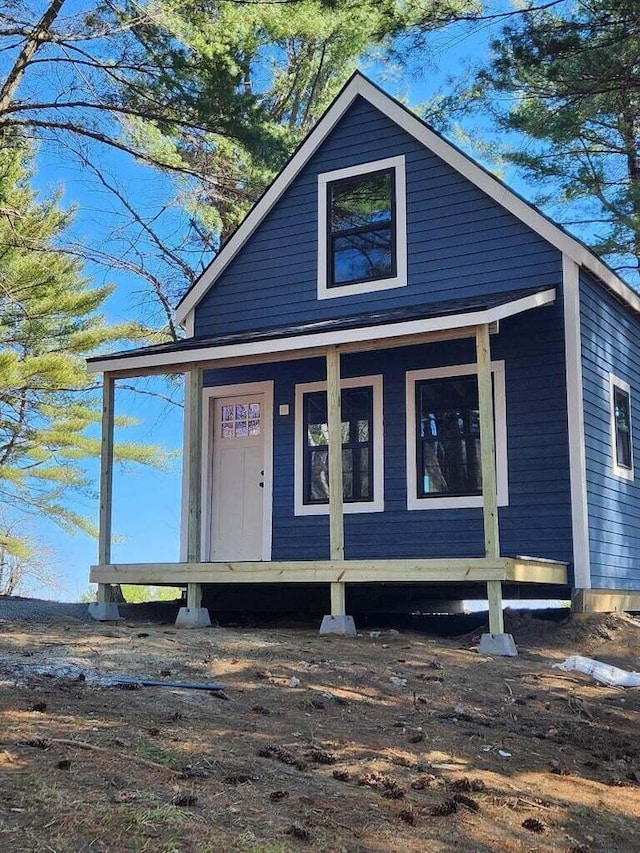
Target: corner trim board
(575, 423)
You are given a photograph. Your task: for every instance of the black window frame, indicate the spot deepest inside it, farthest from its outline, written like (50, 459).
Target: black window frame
(622, 435)
(351, 445)
(468, 435)
(332, 236)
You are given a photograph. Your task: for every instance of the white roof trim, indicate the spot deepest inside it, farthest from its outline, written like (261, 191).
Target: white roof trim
(359, 85)
(315, 340)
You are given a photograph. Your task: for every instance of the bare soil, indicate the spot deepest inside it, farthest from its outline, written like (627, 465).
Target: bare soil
(388, 742)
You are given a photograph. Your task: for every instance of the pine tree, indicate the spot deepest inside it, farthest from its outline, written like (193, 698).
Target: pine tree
(50, 321)
(572, 80)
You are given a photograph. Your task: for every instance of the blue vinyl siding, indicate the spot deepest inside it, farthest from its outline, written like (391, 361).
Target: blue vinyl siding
(460, 242)
(538, 520)
(610, 344)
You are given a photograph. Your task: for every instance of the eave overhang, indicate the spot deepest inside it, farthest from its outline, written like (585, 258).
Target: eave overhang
(454, 318)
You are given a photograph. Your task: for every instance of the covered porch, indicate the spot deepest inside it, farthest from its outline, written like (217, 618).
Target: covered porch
(330, 341)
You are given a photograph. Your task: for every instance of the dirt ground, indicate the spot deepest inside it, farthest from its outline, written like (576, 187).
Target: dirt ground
(388, 742)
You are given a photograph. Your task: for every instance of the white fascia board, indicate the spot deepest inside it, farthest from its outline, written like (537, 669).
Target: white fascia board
(478, 176)
(255, 349)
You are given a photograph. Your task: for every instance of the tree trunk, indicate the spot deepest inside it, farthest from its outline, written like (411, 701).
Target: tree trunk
(38, 35)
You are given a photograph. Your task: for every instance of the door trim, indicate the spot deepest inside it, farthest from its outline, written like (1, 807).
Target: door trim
(209, 395)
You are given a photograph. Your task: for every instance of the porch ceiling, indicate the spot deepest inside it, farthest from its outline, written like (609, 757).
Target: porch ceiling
(458, 317)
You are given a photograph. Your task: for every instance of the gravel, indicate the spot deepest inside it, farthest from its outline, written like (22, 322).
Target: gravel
(14, 609)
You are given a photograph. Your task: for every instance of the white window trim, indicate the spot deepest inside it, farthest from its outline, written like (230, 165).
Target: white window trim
(400, 279)
(377, 504)
(209, 395)
(619, 470)
(502, 470)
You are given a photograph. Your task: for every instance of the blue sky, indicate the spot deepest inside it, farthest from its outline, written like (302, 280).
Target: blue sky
(146, 515)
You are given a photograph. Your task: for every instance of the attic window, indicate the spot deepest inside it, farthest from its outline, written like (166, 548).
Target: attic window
(362, 229)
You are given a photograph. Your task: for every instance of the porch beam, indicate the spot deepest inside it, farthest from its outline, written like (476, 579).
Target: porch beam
(194, 463)
(106, 469)
(532, 570)
(521, 570)
(453, 570)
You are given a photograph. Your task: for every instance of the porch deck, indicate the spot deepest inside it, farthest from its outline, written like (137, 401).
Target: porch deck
(524, 570)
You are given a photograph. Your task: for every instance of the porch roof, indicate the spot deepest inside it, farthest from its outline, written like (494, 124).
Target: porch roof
(396, 323)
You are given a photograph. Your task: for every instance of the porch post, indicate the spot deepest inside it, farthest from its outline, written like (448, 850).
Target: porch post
(496, 641)
(194, 488)
(104, 609)
(338, 622)
(194, 615)
(334, 424)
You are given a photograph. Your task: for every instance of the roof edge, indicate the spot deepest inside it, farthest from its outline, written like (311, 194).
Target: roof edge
(145, 361)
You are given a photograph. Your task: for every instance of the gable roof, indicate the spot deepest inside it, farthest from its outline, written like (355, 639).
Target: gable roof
(360, 86)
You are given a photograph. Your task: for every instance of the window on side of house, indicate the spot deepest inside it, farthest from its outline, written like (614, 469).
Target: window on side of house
(444, 467)
(362, 447)
(362, 228)
(621, 432)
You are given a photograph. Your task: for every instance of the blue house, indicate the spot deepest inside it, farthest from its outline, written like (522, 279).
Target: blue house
(391, 320)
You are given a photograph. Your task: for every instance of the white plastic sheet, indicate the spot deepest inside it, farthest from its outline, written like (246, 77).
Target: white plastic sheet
(602, 672)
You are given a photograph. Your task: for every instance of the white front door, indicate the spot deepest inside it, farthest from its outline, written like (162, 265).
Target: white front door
(238, 482)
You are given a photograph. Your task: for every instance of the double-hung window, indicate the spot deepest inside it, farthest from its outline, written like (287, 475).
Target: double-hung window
(361, 420)
(621, 434)
(448, 431)
(362, 228)
(444, 467)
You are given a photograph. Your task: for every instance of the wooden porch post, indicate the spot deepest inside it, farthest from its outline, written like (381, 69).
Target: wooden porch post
(336, 519)
(106, 470)
(194, 615)
(488, 464)
(194, 489)
(104, 609)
